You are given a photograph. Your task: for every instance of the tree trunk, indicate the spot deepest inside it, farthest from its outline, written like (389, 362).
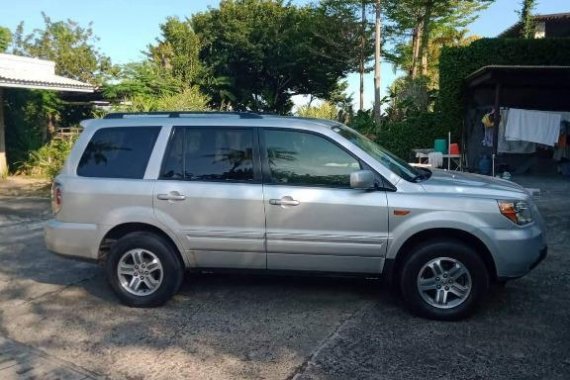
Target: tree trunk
(3, 162)
(362, 54)
(425, 36)
(377, 60)
(417, 37)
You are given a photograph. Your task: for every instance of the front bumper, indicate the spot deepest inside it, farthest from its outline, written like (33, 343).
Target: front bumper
(517, 251)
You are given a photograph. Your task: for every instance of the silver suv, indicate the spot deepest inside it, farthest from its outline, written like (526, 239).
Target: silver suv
(152, 195)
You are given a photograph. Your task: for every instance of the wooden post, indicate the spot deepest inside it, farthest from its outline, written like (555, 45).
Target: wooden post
(3, 161)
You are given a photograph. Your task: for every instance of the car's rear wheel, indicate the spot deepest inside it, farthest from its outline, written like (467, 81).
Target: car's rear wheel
(444, 280)
(144, 270)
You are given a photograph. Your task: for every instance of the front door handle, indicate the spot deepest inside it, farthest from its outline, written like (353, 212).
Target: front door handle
(285, 201)
(172, 196)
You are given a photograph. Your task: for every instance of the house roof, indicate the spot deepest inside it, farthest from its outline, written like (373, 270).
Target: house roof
(564, 16)
(24, 72)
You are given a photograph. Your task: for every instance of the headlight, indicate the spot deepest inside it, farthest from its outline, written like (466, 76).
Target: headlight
(517, 211)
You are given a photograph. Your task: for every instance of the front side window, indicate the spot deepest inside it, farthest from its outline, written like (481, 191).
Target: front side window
(209, 154)
(301, 158)
(120, 152)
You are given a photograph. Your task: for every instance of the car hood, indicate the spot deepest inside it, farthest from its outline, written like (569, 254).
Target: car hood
(459, 183)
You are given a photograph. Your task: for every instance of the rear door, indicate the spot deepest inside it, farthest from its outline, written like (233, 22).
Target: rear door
(315, 220)
(209, 192)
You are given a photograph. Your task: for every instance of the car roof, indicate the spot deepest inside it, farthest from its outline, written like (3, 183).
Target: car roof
(213, 118)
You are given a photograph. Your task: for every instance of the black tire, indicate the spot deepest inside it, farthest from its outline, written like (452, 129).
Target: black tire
(431, 250)
(172, 268)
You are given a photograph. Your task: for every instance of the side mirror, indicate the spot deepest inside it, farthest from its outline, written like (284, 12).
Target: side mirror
(362, 179)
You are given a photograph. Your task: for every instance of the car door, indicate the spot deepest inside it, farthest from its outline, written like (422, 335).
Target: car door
(209, 192)
(314, 220)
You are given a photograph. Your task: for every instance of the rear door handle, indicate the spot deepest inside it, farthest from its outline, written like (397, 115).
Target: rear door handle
(172, 196)
(285, 201)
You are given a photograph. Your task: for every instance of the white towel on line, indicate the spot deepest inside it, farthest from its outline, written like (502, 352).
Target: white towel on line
(534, 126)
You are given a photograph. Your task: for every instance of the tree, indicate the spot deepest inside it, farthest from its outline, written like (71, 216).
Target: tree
(357, 11)
(270, 50)
(177, 51)
(71, 46)
(5, 38)
(145, 86)
(422, 20)
(377, 60)
(527, 30)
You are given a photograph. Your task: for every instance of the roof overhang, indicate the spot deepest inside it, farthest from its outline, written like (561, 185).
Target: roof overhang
(33, 73)
(530, 87)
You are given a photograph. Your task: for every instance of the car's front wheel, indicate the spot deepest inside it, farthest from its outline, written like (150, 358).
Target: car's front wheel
(143, 270)
(443, 279)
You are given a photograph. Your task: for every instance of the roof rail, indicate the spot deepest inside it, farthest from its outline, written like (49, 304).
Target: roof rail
(122, 115)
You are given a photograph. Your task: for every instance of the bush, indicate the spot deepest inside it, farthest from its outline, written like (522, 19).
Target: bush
(419, 131)
(400, 137)
(47, 161)
(325, 110)
(189, 99)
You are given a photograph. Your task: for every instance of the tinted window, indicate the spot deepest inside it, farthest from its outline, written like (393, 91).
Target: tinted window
(307, 159)
(118, 152)
(209, 154)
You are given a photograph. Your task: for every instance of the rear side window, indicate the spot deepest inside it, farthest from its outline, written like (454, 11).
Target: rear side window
(209, 154)
(121, 152)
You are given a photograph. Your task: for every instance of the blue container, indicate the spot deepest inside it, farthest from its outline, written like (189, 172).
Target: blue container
(485, 165)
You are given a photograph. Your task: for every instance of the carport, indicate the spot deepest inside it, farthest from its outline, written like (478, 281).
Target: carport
(31, 73)
(540, 88)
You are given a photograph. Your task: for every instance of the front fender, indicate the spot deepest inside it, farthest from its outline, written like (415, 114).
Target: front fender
(404, 229)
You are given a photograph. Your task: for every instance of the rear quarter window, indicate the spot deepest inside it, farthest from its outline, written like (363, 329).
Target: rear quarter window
(121, 152)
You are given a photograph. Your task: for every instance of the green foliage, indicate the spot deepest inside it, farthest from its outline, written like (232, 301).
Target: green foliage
(400, 137)
(145, 86)
(177, 51)
(189, 99)
(409, 97)
(48, 160)
(71, 46)
(418, 131)
(445, 20)
(5, 38)
(142, 79)
(25, 119)
(458, 62)
(269, 50)
(325, 110)
(527, 30)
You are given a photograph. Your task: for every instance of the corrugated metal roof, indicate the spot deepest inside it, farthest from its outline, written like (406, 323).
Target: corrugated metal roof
(24, 72)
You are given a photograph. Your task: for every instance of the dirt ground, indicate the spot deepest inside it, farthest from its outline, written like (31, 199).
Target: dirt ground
(261, 327)
(20, 186)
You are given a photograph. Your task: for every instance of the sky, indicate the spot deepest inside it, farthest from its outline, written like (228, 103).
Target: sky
(126, 27)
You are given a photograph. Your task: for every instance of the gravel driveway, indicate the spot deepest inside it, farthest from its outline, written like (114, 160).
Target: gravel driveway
(62, 313)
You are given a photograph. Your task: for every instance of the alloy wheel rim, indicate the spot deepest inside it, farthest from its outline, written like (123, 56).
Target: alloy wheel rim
(444, 283)
(140, 272)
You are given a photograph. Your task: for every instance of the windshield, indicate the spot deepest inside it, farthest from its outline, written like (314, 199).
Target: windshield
(383, 156)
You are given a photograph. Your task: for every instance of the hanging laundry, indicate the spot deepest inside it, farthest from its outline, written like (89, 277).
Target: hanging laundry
(488, 122)
(533, 126)
(504, 146)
